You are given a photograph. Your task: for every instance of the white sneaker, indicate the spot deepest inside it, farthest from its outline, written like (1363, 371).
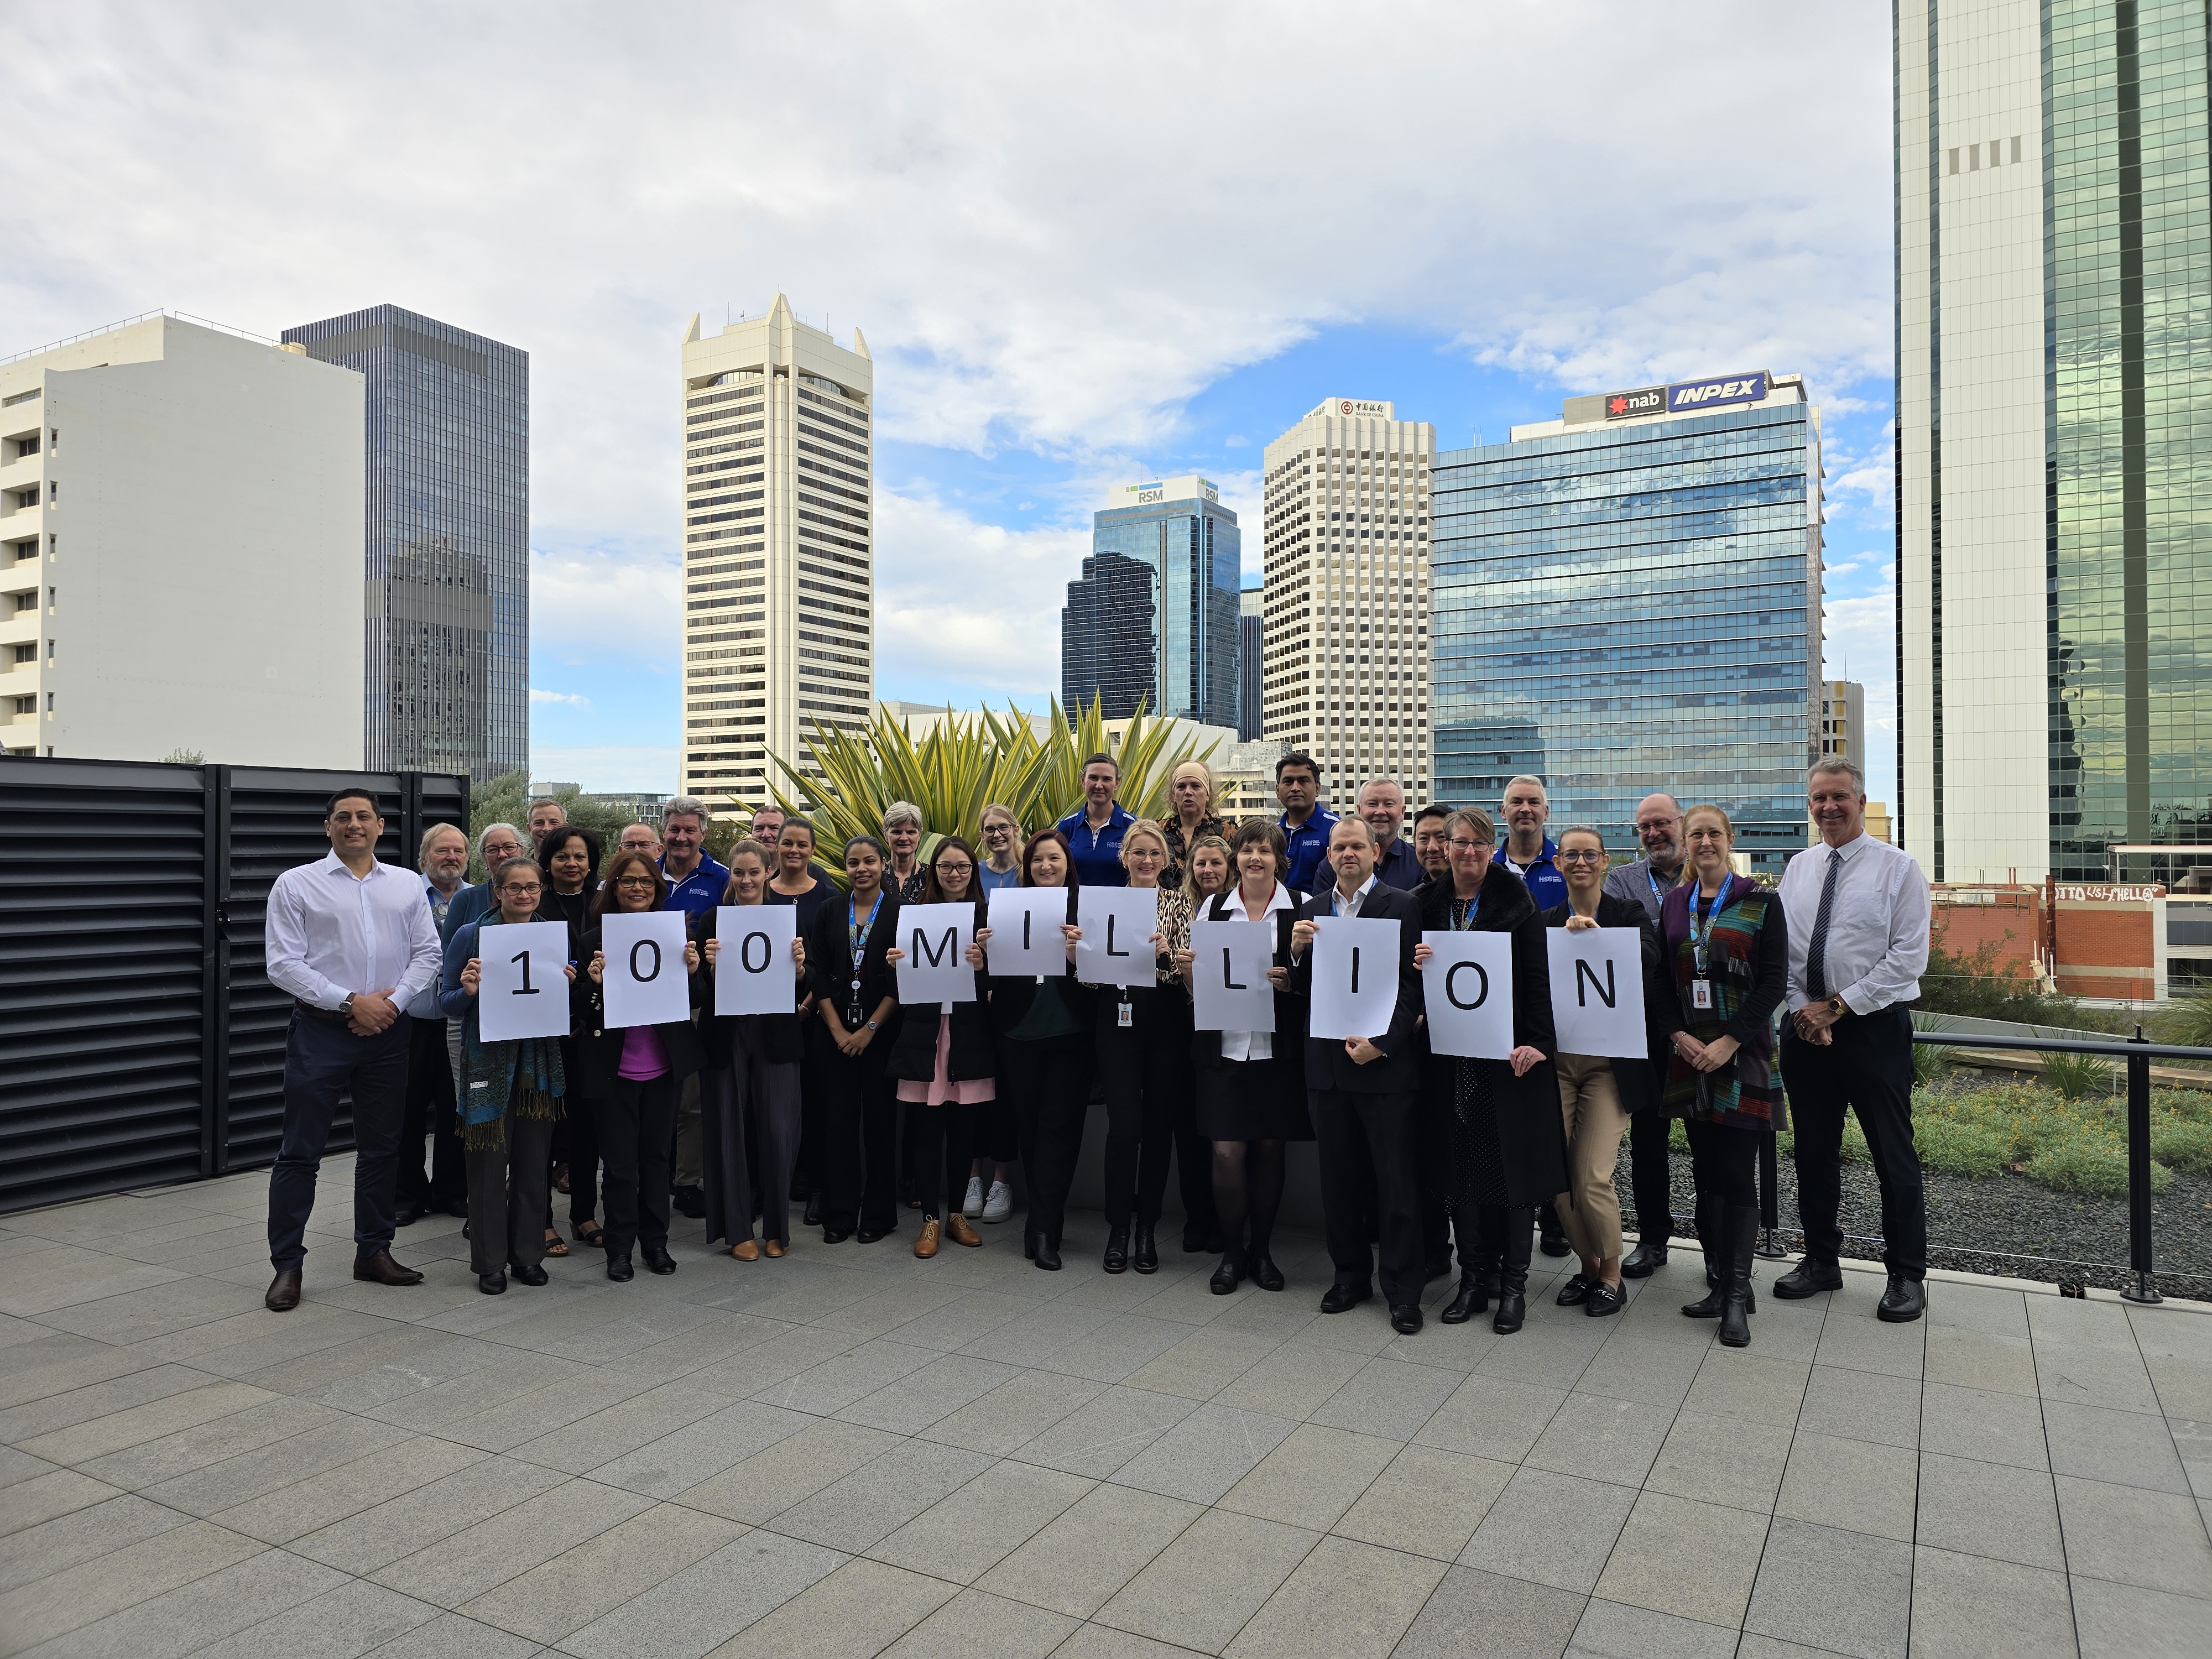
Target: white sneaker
(972, 1205)
(1001, 1204)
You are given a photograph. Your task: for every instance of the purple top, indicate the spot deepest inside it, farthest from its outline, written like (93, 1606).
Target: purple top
(643, 1055)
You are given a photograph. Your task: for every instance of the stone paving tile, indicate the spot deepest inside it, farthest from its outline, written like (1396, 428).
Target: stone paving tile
(877, 1499)
(1555, 1529)
(1863, 1406)
(588, 1580)
(82, 1535)
(971, 1530)
(1615, 1440)
(215, 1441)
(1203, 1362)
(1013, 1413)
(1296, 1380)
(1205, 1454)
(683, 1457)
(69, 1406)
(1489, 1416)
(1075, 1564)
(1678, 1556)
(927, 1395)
(860, 1609)
(423, 1514)
(2124, 1448)
(45, 1496)
(1857, 1485)
(188, 1619)
(2094, 1374)
(1997, 1428)
(260, 1470)
(2129, 1535)
(459, 1567)
(976, 1626)
(1610, 1630)
(1428, 1501)
(1389, 1397)
(1345, 1600)
(58, 1602)
(280, 1511)
(2117, 1621)
(757, 1489)
(1199, 1593)
(1311, 1477)
(1722, 1459)
(1516, 1620)
(1106, 1433)
(1968, 1607)
(96, 1436)
(694, 1612)
(1846, 1591)
(1974, 1507)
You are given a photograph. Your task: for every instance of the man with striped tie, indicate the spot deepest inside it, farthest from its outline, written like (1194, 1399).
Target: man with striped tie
(1857, 909)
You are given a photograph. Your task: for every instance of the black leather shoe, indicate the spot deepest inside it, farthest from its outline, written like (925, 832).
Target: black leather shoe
(814, 1216)
(1048, 1255)
(1264, 1273)
(1405, 1318)
(1116, 1259)
(456, 1208)
(1739, 1235)
(1575, 1292)
(689, 1201)
(382, 1269)
(1474, 1298)
(406, 1215)
(1339, 1298)
(870, 1235)
(492, 1284)
(1649, 1256)
(1228, 1275)
(657, 1260)
(1512, 1311)
(1808, 1277)
(618, 1267)
(1146, 1257)
(533, 1276)
(284, 1291)
(836, 1234)
(1904, 1301)
(1554, 1242)
(1603, 1299)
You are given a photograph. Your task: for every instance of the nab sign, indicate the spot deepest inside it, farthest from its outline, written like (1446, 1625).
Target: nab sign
(1624, 405)
(1686, 397)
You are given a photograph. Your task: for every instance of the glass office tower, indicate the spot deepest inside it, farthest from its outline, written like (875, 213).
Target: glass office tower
(447, 539)
(1154, 615)
(1251, 664)
(1627, 600)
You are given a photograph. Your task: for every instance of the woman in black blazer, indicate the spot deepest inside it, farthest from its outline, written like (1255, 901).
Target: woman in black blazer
(856, 993)
(947, 1066)
(1596, 1095)
(751, 1084)
(1501, 1117)
(1046, 1059)
(632, 1078)
(1252, 1084)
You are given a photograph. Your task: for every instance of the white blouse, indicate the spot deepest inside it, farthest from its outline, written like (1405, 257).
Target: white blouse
(1230, 906)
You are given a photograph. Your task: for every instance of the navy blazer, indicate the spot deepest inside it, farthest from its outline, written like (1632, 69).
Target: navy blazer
(1399, 1071)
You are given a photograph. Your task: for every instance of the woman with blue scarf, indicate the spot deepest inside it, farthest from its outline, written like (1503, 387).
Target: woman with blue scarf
(511, 1098)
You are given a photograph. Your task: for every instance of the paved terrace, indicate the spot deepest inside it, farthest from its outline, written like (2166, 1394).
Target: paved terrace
(850, 1452)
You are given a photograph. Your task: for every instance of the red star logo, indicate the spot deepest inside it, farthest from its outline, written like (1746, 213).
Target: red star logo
(1618, 406)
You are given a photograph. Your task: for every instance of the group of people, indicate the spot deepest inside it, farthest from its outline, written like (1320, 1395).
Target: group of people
(856, 1104)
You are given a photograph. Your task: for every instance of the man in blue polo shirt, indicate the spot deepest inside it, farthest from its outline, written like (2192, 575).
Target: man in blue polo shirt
(1382, 804)
(1305, 826)
(1094, 833)
(695, 883)
(1528, 852)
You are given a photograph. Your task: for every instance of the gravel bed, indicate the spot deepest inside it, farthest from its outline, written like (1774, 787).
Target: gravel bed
(2005, 1225)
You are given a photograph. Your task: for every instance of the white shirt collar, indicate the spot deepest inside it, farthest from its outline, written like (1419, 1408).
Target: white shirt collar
(1336, 893)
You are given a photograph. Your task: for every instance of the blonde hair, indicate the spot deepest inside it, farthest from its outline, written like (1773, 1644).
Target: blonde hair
(1143, 827)
(1007, 812)
(1708, 807)
(1478, 821)
(1190, 867)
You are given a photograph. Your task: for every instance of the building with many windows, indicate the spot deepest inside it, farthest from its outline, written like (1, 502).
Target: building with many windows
(1628, 599)
(1251, 666)
(2054, 679)
(144, 612)
(447, 539)
(1843, 721)
(1347, 586)
(1152, 619)
(779, 570)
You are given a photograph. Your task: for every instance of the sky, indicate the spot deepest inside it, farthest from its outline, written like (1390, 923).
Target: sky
(1085, 244)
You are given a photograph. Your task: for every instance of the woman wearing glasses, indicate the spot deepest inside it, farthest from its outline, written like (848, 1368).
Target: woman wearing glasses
(947, 1066)
(1725, 940)
(990, 1194)
(1501, 1117)
(1597, 1096)
(632, 1077)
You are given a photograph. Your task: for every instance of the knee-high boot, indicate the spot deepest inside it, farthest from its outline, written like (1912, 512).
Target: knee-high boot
(1713, 1236)
(1518, 1223)
(1740, 1231)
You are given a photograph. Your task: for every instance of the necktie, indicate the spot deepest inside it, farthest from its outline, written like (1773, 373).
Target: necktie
(1816, 953)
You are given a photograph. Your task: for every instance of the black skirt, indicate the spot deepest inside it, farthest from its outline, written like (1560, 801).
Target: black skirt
(1251, 1100)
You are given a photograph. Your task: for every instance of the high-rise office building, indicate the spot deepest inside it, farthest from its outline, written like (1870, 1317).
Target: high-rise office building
(142, 613)
(1152, 619)
(2054, 679)
(1251, 664)
(1628, 599)
(778, 528)
(446, 538)
(1347, 592)
(1843, 721)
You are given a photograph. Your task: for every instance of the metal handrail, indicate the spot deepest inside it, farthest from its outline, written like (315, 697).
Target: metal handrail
(2138, 1052)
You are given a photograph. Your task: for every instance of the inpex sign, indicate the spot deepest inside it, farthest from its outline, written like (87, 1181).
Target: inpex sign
(1692, 395)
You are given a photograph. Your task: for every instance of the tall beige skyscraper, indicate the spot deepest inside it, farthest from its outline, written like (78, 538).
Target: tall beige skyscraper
(1346, 554)
(779, 587)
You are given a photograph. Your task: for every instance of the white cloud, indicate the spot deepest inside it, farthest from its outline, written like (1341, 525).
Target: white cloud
(571, 698)
(969, 602)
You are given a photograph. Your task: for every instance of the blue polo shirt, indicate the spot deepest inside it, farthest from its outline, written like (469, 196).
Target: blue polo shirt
(1398, 868)
(1546, 884)
(1097, 853)
(701, 890)
(1308, 845)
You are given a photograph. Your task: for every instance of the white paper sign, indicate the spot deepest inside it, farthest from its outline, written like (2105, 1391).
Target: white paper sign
(935, 938)
(1355, 977)
(1597, 991)
(1118, 924)
(644, 974)
(1229, 966)
(1025, 936)
(1467, 993)
(524, 992)
(753, 971)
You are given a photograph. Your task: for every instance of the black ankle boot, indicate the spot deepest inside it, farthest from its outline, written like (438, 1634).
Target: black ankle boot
(1260, 1267)
(1474, 1298)
(1513, 1273)
(1740, 1232)
(1146, 1258)
(1227, 1276)
(1117, 1250)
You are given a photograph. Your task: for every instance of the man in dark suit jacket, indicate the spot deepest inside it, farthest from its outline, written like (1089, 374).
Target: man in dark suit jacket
(1362, 1094)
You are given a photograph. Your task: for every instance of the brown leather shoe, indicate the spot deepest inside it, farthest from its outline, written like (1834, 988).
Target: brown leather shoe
(960, 1230)
(283, 1291)
(772, 1247)
(382, 1269)
(745, 1250)
(926, 1246)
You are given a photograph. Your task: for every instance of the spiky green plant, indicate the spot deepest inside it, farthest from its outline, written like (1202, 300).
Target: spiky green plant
(962, 764)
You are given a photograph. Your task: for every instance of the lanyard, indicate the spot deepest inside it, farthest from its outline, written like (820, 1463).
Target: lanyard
(1699, 938)
(1658, 893)
(859, 932)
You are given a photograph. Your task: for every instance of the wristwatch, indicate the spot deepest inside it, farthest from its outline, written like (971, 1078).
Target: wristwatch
(1838, 1008)
(346, 1007)
(872, 1025)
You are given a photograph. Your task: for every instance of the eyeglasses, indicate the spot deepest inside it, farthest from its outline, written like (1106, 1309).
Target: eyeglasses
(998, 829)
(1580, 857)
(962, 868)
(1459, 844)
(646, 882)
(521, 889)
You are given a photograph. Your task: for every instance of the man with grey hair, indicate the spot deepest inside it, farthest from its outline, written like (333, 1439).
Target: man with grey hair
(1528, 852)
(696, 883)
(1857, 910)
(1647, 882)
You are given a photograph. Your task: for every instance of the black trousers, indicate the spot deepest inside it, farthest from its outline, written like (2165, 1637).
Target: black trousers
(583, 1127)
(859, 1178)
(507, 1184)
(1869, 1068)
(637, 1135)
(1432, 1132)
(430, 1113)
(1726, 1159)
(1151, 1083)
(944, 1142)
(749, 1133)
(323, 1060)
(1651, 1174)
(1371, 1142)
(1049, 1082)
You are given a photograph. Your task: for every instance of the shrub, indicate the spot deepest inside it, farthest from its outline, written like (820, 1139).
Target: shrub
(2088, 1169)
(2180, 1144)
(1960, 1145)
(2078, 1076)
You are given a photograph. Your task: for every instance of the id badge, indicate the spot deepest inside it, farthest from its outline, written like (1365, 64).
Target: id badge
(1127, 1021)
(1701, 993)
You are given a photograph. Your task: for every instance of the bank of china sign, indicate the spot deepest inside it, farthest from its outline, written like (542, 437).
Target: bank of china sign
(1687, 397)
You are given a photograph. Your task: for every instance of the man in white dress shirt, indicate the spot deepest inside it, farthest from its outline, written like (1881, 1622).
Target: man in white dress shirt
(1857, 909)
(353, 941)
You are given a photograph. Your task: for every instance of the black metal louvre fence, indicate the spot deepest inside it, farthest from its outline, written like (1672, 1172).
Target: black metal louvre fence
(140, 1041)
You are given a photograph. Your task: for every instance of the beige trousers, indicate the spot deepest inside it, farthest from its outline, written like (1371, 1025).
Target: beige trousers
(1590, 1104)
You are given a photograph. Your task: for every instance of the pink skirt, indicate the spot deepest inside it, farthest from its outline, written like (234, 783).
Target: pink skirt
(939, 1090)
